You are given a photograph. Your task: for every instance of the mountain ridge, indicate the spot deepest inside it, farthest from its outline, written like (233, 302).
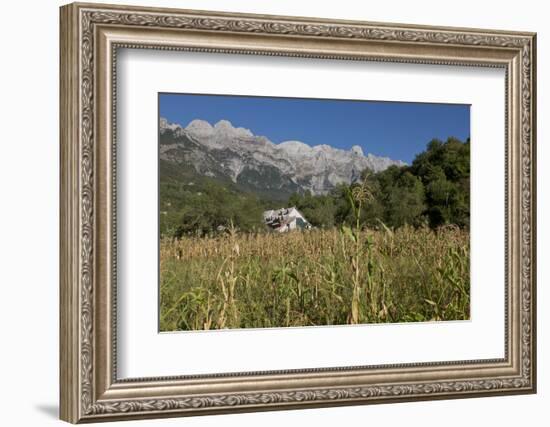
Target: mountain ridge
(257, 164)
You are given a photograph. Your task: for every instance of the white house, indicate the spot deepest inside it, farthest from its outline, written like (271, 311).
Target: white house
(286, 219)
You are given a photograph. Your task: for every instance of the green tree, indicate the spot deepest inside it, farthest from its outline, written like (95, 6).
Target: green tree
(405, 204)
(444, 169)
(318, 210)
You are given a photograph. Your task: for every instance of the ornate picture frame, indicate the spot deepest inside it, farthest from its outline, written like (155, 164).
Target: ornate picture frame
(90, 37)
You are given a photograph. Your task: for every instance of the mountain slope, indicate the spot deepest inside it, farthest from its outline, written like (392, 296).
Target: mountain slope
(256, 164)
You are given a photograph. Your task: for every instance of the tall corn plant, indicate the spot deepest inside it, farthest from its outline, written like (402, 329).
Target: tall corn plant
(358, 196)
(227, 278)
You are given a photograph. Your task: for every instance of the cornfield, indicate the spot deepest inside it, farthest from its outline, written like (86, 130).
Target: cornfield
(317, 277)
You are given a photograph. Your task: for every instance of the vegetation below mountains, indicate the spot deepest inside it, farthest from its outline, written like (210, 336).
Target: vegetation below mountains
(191, 204)
(434, 191)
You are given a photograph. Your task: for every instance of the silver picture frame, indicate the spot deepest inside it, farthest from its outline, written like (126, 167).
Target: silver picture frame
(90, 37)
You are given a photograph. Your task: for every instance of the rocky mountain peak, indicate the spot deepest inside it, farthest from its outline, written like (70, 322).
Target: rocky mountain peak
(357, 150)
(165, 124)
(294, 148)
(224, 124)
(226, 128)
(200, 128)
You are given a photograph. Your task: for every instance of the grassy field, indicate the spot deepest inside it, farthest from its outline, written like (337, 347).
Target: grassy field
(318, 277)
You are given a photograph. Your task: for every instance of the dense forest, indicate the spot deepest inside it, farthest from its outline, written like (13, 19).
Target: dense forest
(434, 190)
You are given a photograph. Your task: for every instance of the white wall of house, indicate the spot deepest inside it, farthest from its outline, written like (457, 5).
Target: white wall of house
(291, 214)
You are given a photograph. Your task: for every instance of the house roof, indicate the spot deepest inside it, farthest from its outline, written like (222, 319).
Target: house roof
(283, 216)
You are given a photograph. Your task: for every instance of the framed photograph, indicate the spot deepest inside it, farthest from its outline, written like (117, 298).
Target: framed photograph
(266, 212)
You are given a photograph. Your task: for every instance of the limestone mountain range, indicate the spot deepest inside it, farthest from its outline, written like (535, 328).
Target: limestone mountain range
(257, 164)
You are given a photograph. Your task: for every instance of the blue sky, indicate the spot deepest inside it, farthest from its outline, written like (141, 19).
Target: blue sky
(398, 130)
